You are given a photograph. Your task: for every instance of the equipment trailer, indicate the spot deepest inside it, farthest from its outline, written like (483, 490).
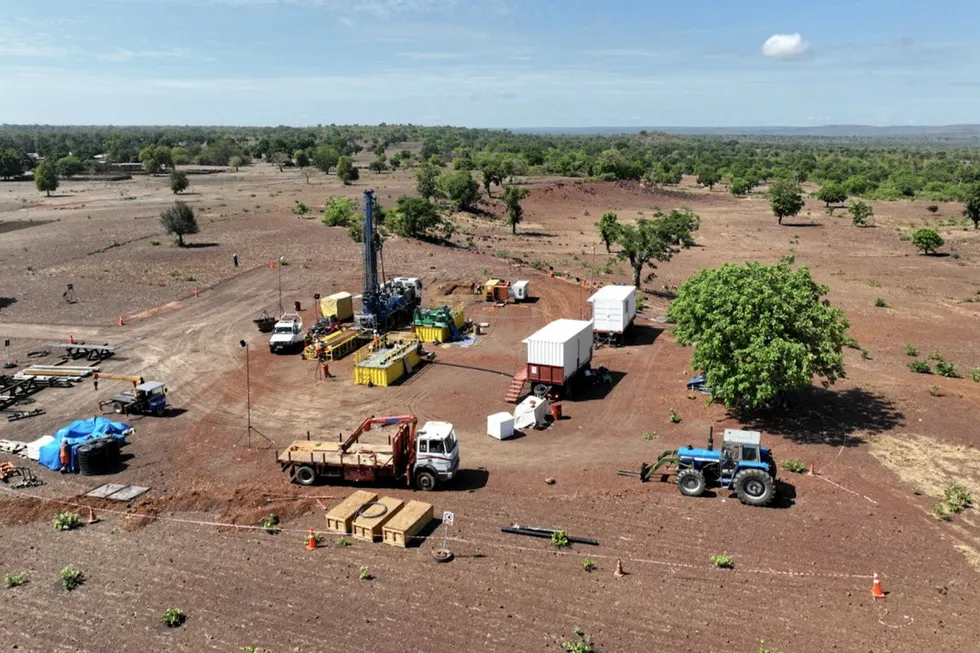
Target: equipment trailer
(423, 458)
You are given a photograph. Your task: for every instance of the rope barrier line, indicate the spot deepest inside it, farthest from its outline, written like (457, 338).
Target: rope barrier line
(838, 485)
(514, 547)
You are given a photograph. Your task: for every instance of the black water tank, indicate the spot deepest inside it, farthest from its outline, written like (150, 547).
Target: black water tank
(112, 453)
(91, 461)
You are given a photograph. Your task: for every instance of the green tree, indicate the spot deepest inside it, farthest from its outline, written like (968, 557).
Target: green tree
(656, 240)
(324, 158)
(12, 162)
(179, 181)
(708, 177)
(758, 331)
(861, 213)
(927, 240)
(491, 168)
(459, 188)
(46, 176)
(279, 159)
(740, 186)
(236, 162)
(414, 217)
(69, 166)
(301, 159)
(179, 220)
(785, 198)
(155, 157)
(832, 193)
(426, 176)
(512, 200)
(380, 163)
(339, 211)
(608, 226)
(346, 171)
(972, 205)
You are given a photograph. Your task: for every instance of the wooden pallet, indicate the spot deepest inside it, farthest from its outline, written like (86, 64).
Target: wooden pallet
(368, 526)
(341, 516)
(411, 519)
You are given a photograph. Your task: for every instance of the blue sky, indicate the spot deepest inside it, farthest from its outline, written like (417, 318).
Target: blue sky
(490, 63)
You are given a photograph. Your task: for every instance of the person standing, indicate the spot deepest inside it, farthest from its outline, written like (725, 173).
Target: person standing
(234, 260)
(65, 457)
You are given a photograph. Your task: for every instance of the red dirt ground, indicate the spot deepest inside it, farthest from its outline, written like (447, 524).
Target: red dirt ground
(801, 580)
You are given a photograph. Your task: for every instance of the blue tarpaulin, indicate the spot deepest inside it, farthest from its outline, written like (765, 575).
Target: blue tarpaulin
(77, 433)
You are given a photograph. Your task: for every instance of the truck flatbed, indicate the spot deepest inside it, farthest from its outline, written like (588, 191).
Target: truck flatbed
(329, 453)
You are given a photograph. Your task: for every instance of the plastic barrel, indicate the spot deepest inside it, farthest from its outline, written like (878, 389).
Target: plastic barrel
(89, 460)
(99, 455)
(112, 453)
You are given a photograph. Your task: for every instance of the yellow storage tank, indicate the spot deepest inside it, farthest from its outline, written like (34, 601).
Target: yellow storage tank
(339, 304)
(432, 334)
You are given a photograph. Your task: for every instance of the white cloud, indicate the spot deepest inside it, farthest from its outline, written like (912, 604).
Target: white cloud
(785, 46)
(433, 56)
(120, 54)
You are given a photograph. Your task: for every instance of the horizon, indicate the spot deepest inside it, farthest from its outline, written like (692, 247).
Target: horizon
(509, 63)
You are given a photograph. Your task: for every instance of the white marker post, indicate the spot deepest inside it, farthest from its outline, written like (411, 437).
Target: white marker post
(448, 519)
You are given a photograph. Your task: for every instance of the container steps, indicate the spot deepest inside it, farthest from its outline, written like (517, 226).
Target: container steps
(516, 388)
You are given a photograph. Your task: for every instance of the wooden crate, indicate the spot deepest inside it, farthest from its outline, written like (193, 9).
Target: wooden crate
(367, 527)
(341, 516)
(411, 519)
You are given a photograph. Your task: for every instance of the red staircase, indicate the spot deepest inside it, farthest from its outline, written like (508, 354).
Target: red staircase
(516, 388)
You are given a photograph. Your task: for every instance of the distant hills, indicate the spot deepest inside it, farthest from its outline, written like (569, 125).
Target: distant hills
(830, 131)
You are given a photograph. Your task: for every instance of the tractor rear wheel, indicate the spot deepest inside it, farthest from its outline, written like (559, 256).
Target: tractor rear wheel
(754, 487)
(304, 475)
(691, 482)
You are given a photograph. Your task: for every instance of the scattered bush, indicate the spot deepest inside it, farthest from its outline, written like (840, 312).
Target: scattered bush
(927, 241)
(173, 617)
(764, 649)
(947, 369)
(300, 208)
(957, 499)
(674, 417)
(502, 253)
(865, 354)
(67, 521)
(589, 564)
(920, 367)
(880, 303)
(975, 375)
(936, 355)
(722, 561)
(339, 212)
(935, 391)
(342, 542)
(14, 580)
(71, 578)
(795, 466)
(155, 243)
(581, 645)
(538, 264)
(364, 573)
(911, 350)
(270, 523)
(932, 208)
(559, 539)
(648, 436)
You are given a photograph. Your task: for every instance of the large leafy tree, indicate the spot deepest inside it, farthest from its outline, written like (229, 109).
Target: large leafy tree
(69, 166)
(179, 181)
(179, 219)
(46, 176)
(324, 158)
(927, 240)
(459, 188)
(346, 171)
(708, 177)
(426, 177)
(861, 213)
(608, 225)
(759, 330)
(301, 159)
(513, 195)
(339, 211)
(832, 193)
(12, 162)
(415, 217)
(972, 206)
(650, 241)
(786, 199)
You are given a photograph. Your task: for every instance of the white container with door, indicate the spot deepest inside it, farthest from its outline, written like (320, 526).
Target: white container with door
(559, 350)
(500, 426)
(613, 308)
(519, 290)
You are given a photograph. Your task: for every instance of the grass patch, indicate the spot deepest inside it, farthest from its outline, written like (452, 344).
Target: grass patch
(342, 542)
(874, 284)
(502, 253)
(722, 561)
(674, 417)
(920, 367)
(589, 565)
(173, 617)
(559, 539)
(648, 436)
(880, 303)
(364, 573)
(270, 523)
(975, 375)
(538, 264)
(71, 578)
(911, 350)
(947, 369)
(67, 521)
(155, 243)
(14, 580)
(582, 643)
(795, 466)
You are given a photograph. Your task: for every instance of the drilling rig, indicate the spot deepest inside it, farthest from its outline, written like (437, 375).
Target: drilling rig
(384, 304)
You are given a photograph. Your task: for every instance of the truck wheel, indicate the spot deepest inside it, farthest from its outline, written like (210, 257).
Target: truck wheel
(754, 487)
(117, 407)
(425, 480)
(691, 482)
(304, 475)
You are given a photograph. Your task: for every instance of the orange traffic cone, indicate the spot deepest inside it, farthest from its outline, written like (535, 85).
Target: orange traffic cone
(91, 516)
(811, 472)
(311, 541)
(876, 591)
(619, 573)
(122, 321)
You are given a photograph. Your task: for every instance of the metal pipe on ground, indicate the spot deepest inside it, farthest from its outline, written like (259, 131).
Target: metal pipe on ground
(531, 531)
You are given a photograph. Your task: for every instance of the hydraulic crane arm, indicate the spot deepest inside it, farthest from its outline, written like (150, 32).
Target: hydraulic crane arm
(377, 421)
(135, 380)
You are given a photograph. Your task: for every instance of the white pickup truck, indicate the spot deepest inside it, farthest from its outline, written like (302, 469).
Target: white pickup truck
(287, 335)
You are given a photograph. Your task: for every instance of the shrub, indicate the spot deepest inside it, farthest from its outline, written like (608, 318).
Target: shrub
(173, 617)
(975, 375)
(910, 350)
(935, 391)
(559, 539)
(155, 243)
(880, 303)
(14, 580)
(364, 573)
(920, 367)
(342, 542)
(581, 645)
(764, 649)
(67, 521)
(339, 211)
(939, 512)
(270, 523)
(640, 302)
(502, 253)
(947, 369)
(648, 436)
(794, 465)
(589, 564)
(722, 561)
(674, 417)
(936, 355)
(538, 264)
(300, 208)
(865, 354)
(71, 578)
(956, 498)
(927, 241)
(932, 208)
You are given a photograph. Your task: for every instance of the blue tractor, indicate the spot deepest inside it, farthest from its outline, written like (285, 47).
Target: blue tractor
(741, 465)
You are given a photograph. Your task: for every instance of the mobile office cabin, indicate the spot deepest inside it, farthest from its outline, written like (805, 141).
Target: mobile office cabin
(557, 353)
(519, 290)
(613, 311)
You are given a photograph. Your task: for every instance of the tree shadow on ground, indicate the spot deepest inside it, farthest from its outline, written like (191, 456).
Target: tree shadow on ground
(642, 334)
(7, 301)
(199, 245)
(800, 224)
(819, 416)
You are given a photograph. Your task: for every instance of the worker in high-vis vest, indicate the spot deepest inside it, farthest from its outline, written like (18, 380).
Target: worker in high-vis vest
(65, 457)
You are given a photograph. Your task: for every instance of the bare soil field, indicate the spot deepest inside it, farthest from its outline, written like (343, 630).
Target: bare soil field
(885, 442)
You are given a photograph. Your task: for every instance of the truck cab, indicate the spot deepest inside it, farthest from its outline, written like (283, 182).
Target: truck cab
(287, 334)
(146, 398)
(436, 454)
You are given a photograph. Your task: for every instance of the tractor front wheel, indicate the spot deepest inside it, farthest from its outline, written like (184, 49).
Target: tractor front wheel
(691, 482)
(754, 487)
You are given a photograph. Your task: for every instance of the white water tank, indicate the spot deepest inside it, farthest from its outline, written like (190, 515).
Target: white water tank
(500, 426)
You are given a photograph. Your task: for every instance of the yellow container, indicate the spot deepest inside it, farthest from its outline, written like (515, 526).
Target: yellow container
(488, 288)
(380, 376)
(432, 334)
(340, 305)
(398, 362)
(459, 318)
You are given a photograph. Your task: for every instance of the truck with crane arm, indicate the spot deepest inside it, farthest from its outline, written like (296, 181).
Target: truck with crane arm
(145, 398)
(425, 457)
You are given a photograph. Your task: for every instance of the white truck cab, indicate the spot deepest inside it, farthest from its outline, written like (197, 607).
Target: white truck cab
(287, 334)
(437, 453)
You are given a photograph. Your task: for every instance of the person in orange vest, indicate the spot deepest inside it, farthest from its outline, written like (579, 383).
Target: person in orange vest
(65, 457)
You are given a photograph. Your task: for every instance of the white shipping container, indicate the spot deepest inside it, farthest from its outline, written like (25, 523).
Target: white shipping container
(613, 308)
(564, 343)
